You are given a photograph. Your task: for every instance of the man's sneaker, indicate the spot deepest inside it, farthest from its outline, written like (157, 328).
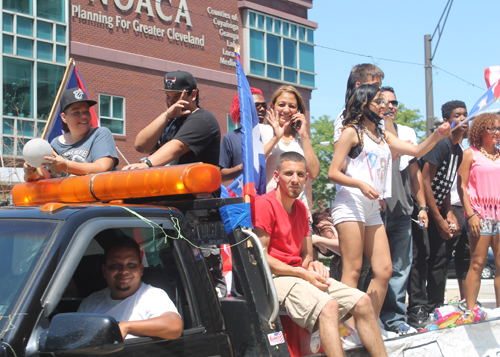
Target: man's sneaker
(403, 329)
(417, 317)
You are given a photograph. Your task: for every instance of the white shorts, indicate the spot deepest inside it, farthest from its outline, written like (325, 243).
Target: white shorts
(349, 207)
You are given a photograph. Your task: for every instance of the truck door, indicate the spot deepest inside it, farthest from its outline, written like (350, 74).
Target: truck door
(170, 264)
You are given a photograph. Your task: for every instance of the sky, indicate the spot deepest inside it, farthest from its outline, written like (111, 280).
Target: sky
(395, 29)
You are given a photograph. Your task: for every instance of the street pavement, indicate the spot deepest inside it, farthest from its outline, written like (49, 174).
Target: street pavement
(486, 292)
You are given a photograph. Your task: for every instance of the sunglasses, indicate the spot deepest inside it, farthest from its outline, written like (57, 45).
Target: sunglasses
(493, 130)
(394, 103)
(259, 105)
(378, 101)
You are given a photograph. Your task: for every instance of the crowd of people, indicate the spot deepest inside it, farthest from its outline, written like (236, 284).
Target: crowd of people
(399, 215)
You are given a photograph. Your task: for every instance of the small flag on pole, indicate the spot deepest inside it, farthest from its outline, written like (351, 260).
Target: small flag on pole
(71, 79)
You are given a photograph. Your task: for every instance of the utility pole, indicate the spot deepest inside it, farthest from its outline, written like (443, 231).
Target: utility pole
(429, 95)
(429, 56)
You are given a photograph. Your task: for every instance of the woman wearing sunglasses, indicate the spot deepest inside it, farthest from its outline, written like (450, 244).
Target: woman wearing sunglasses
(480, 195)
(362, 166)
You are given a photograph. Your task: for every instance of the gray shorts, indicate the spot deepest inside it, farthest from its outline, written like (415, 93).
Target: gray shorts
(303, 302)
(490, 227)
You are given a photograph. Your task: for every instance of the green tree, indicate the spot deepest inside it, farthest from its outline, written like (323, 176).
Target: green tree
(322, 130)
(411, 118)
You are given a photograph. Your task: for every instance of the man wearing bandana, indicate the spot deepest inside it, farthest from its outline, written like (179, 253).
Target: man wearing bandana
(184, 133)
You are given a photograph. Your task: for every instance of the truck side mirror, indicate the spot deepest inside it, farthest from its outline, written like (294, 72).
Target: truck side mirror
(81, 334)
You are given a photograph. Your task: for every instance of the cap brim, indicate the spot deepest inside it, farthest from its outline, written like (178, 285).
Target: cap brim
(169, 90)
(90, 102)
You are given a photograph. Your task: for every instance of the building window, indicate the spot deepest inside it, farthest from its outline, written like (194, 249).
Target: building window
(50, 9)
(34, 57)
(23, 6)
(112, 113)
(281, 50)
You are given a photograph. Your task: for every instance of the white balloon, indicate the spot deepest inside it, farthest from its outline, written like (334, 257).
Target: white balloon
(35, 150)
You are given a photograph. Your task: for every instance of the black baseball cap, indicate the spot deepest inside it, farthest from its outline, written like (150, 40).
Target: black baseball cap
(74, 95)
(177, 81)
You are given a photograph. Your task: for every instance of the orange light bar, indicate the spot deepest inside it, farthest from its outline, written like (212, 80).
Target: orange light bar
(116, 185)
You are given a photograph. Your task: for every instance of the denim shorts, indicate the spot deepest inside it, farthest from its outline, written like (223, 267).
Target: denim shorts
(490, 227)
(349, 207)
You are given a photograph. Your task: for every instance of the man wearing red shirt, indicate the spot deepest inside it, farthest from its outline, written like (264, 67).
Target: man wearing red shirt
(310, 298)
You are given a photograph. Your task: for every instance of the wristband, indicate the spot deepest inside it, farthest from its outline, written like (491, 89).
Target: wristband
(426, 209)
(146, 161)
(472, 215)
(314, 260)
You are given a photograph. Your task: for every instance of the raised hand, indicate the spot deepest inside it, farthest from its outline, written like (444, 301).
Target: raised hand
(178, 110)
(273, 119)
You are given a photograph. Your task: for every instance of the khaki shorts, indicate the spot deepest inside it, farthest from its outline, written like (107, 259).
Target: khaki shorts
(303, 301)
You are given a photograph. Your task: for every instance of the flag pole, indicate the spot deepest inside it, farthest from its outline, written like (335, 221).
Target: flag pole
(58, 97)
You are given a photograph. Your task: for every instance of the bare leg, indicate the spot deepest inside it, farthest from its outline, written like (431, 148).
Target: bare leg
(329, 329)
(478, 254)
(495, 245)
(351, 237)
(368, 329)
(378, 253)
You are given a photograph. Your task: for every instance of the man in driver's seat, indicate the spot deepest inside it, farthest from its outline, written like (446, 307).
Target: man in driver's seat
(140, 309)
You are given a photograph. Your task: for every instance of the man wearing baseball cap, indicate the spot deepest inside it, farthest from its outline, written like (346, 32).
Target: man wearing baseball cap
(82, 149)
(183, 134)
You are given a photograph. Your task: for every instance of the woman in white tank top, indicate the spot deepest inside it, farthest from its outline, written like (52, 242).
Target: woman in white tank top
(366, 150)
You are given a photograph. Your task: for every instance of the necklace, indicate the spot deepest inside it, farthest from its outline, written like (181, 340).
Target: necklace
(376, 139)
(489, 156)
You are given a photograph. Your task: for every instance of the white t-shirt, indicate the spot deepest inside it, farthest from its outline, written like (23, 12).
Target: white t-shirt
(146, 303)
(373, 166)
(406, 133)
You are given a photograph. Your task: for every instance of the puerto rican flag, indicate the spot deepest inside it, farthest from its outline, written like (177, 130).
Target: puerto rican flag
(489, 97)
(254, 160)
(53, 128)
(253, 179)
(491, 75)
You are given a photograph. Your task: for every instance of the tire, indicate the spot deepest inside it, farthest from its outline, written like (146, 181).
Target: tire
(487, 273)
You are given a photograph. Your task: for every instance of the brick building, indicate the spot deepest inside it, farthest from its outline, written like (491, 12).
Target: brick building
(124, 47)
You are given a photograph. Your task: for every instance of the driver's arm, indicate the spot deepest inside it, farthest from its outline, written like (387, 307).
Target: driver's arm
(168, 326)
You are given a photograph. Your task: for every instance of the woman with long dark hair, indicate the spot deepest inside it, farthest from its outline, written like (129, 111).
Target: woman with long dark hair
(362, 166)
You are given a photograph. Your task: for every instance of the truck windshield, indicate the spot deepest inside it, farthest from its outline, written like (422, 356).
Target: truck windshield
(21, 244)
